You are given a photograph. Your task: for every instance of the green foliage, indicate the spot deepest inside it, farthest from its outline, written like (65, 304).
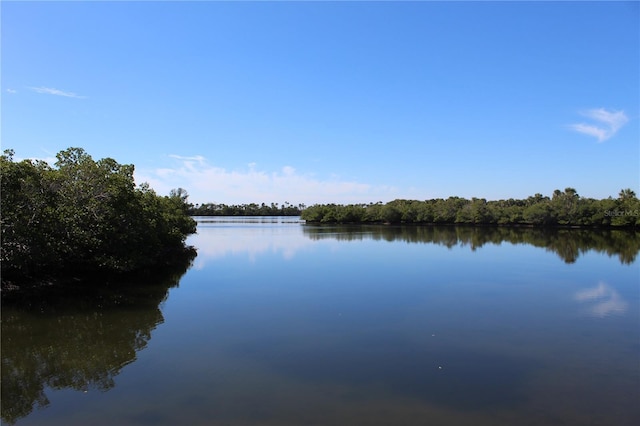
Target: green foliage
(84, 216)
(251, 209)
(565, 208)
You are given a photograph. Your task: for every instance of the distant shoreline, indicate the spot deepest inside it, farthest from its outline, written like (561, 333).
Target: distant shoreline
(565, 209)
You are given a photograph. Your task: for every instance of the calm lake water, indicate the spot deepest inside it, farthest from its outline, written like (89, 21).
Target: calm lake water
(281, 323)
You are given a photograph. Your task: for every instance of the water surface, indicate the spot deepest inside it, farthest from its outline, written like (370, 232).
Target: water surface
(280, 323)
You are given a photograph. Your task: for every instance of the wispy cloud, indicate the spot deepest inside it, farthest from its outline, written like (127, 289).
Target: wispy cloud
(607, 123)
(190, 164)
(56, 92)
(208, 183)
(604, 300)
(12, 91)
(198, 158)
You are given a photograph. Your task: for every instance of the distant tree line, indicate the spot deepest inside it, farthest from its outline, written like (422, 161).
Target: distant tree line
(564, 208)
(252, 209)
(84, 216)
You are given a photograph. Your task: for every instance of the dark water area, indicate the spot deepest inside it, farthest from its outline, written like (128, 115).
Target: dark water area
(280, 323)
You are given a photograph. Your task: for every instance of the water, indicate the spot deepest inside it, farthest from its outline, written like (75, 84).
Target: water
(280, 323)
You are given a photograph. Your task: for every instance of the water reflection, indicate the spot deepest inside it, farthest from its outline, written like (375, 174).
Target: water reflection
(603, 300)
(568, 244)
(291, 324)
(79, 337)
(204, 220)
(430, 371)
(221, 236)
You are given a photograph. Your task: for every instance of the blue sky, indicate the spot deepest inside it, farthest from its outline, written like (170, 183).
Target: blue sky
(347, 102)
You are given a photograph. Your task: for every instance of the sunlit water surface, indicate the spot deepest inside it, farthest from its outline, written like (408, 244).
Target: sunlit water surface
(280, 323)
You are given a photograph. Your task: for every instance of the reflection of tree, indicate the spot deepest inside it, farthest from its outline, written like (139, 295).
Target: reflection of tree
(568, 244)
(79, 337)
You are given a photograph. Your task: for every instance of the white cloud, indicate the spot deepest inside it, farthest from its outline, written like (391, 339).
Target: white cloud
(197, 158)
(609, 122)
(56, 92)
(12, 91)
(603, 300)
(190, 163)
(208, 183)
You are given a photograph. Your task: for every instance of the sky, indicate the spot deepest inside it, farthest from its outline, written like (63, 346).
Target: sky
(331, 102)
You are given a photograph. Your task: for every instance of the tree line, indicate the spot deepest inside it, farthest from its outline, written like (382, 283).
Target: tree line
(563, 208)
(84, 216)
(251, 209)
